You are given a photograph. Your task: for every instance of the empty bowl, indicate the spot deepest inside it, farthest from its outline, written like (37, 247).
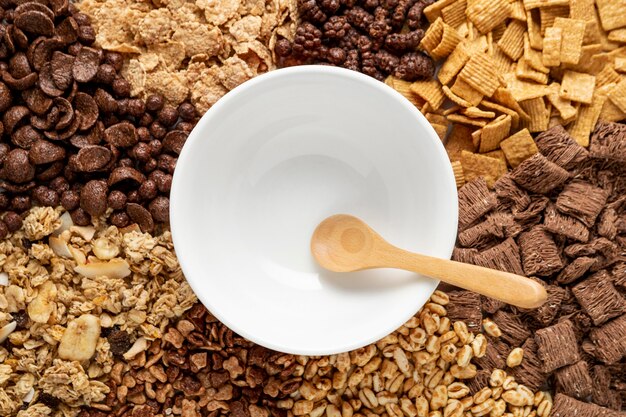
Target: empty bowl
(272, 159)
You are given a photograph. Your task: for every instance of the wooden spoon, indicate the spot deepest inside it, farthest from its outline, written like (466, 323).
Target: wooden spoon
(344, 243)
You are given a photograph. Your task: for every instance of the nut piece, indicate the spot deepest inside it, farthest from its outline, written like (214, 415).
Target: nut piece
(7, 330)
(104, 249)
(515, 357)
(40, 309)
(79, 340)
(115, 268)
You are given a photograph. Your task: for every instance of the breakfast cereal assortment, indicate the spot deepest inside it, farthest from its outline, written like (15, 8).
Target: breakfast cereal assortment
(191, 50)
(97, 100)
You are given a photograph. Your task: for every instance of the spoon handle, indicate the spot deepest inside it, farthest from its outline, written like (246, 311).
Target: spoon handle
(504, 286)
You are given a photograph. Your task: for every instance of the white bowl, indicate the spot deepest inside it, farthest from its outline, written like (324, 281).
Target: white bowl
(272, 159)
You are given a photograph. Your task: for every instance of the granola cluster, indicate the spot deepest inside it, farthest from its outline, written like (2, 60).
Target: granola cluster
(71, 299)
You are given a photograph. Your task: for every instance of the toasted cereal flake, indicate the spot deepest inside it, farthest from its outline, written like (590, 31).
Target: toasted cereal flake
(459, 177)
(199, 38)
(169, 84)
(429, 90)
(477, 166)
(171, 54)
(156, 27)
(577, 86)
(480, 73)
(456, 60)
(548, 14)
(234, 72)
(512, 41)
(454, 14)
(466, 92)
(573, 32)
(494, 132)
(518, 147)
(487, 14)
(618, 35)
(564, 106)
(460, 139)
(248, 28)
(219, 12)
(539, 114)
(612, 13)
(552, 47)
(433, 11)
(523, 90)
(617, 95)
(588, 116)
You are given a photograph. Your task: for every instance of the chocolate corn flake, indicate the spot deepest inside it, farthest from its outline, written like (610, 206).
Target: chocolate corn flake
(557, 145)
(475, 200)
(557, 346)
(540, 255)
(513, 330)
(574, 380)
(582, 200)
(465, 306)
(608, 141)
(565, 406)
(610, 340)
(537, 174)
(599, 298)
(575, 269)
(564, 225)
(504, 257)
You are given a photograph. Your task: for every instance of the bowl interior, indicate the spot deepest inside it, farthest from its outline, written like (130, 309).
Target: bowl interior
(271, 160)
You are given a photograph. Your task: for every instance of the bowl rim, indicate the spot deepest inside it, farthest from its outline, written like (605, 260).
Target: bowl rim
(194, 136)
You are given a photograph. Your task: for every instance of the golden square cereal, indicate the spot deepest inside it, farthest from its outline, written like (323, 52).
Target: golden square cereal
(404, 87)
(618, 35)
(578, 86)
(429, 90)
(523, 90)
(440, 129)
(592, 32)
(454, 98)
(518, 147)
(533, 4)
(563, 106)
(498, 32)
(525, 72)
(534, 57)
(534, 29)
(433, 11)
(512, 41)
(481, 74)
(476, 137)
(449, 40)
(620, 64)
(607, 76)
(588, 116)
(539, 114)
(493, 133)
(458, 118)
(459, 139)
(618, 95)
(573, 33)
(433, 36)
(506, 98)
(501, 61)
(454, 63)
(617, 52)
(455, 108)
(475, 166)
(457, 169)
(502, 109)
(548, 14)
(497, 154)
(487, 14)
(611, 113)
(592, 59)
(475, 112)
(436, 118)
(581, 9)
(454, 14)
(518, 12)
(612, 13)
(552, 47)
(462, 89)
(477, 45)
